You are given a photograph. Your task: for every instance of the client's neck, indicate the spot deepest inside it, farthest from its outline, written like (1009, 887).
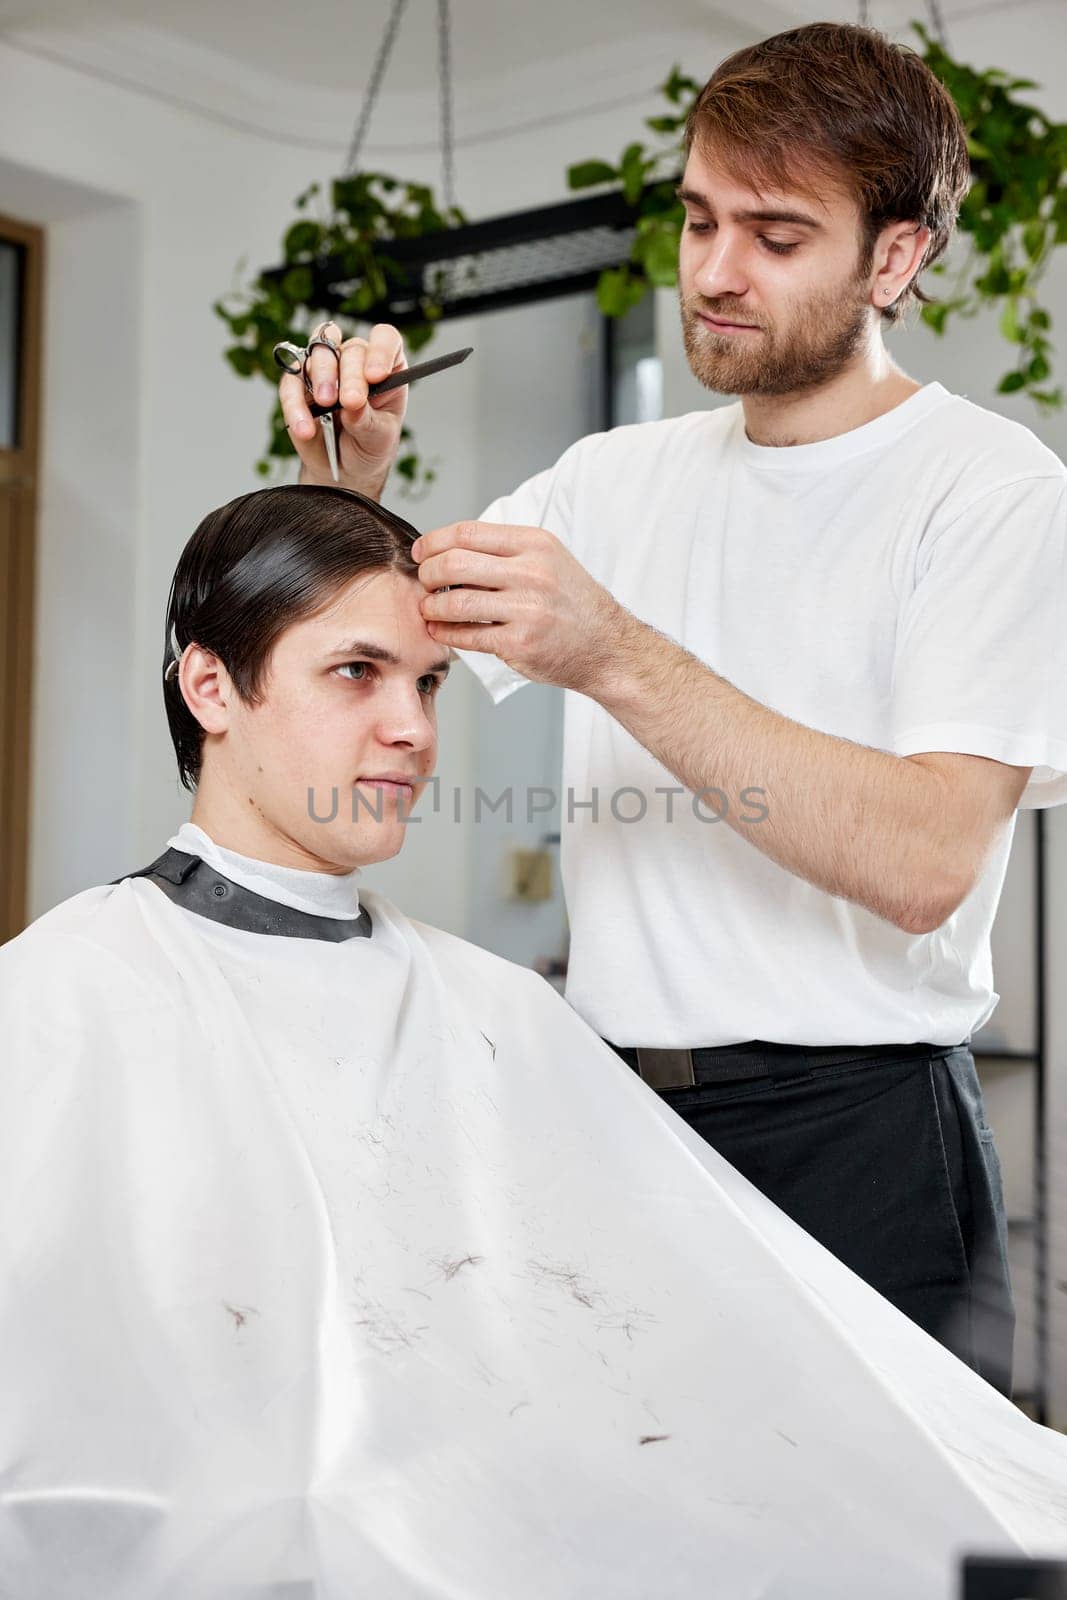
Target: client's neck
(333, 893)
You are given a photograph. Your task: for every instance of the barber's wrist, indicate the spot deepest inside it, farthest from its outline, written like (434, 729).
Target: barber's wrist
(622, 677)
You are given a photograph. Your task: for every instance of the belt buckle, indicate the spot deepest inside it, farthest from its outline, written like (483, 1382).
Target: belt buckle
(666, 1069)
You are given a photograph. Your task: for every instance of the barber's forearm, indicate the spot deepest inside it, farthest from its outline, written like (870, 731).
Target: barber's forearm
(856, 822)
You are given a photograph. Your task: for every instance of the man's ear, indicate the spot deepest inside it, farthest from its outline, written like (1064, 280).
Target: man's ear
(902, 247)
(207, 688)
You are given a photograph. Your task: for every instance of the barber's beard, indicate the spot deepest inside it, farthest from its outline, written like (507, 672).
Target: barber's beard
(828, 333)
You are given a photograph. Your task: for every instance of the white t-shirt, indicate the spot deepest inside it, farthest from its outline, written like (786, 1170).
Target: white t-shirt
(903, 586)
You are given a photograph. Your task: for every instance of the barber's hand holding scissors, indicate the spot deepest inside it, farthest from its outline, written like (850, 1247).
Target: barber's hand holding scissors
(368, 430)
(553, 622)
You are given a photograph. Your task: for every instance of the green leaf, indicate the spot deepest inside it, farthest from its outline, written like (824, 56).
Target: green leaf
(585, 173)
(242, 360)
(632, 169)
(996, 281)
(1038, 370)
(618, 291)
(678, 85)
(1010, 382)
(656, 250)
(302, 239)
(353, 193)
(1034, 239)
(354, 304)
(934, 317)
(1009, 322)
(661, 202)
(297, 284)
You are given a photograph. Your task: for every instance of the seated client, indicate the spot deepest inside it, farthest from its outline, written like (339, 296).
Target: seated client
(323, 1272)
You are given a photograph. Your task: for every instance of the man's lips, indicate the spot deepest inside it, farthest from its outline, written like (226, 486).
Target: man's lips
(390, 783)
(721, 325)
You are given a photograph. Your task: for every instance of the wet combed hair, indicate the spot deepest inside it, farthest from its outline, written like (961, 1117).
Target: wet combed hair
(840, 104)
(254, 567)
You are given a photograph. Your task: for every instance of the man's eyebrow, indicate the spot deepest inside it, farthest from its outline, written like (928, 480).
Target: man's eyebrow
(375, 652)
(799, 218)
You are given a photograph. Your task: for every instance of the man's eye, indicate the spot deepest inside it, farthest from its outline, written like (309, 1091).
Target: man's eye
(360, 668)
(429, 684)
(696, 227)
(778, 249)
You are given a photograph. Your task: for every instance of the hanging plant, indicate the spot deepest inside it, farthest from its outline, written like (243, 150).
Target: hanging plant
(365, 209)
(1014, 216)
(648, 178)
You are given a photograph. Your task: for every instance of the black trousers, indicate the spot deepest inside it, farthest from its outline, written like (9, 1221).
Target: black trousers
(890, 1164)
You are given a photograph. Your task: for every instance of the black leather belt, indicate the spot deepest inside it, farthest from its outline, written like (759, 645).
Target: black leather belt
(758, 1058)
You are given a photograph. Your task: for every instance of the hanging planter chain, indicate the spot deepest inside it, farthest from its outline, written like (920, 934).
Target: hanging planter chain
(444, 76)
(385, 50)
(444, 81)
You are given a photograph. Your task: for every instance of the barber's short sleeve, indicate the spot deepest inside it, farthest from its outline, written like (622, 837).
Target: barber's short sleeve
(981, 655)
(543, 501)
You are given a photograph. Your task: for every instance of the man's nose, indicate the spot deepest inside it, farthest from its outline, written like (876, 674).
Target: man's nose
(721, 270)
(406, 720)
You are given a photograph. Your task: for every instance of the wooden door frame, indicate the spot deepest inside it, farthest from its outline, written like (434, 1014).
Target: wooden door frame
(19, 476)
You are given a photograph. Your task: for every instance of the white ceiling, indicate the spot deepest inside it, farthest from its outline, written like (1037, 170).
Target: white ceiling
(296, 73)
(332, 43)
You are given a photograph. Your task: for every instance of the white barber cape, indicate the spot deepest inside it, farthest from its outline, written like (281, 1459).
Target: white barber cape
(364, 1269)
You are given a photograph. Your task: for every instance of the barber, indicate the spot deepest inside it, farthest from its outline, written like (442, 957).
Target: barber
(814, 643)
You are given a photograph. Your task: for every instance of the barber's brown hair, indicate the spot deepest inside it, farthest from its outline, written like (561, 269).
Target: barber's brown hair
(833, 103)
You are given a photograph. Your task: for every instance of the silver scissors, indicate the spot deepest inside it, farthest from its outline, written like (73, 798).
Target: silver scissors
(291, 358)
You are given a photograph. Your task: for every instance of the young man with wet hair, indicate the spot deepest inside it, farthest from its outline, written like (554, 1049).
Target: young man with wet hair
(350, 719)
(340, 1260)
(823, 631)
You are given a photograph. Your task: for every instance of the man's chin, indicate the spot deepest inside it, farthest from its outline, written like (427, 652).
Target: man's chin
(720, 372)
(719, 377)
(343, 846)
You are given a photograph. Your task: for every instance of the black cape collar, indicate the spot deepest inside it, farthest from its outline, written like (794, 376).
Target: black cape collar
(192, 884)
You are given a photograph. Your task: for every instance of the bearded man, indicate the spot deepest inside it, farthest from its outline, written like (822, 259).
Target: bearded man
(822, 633)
